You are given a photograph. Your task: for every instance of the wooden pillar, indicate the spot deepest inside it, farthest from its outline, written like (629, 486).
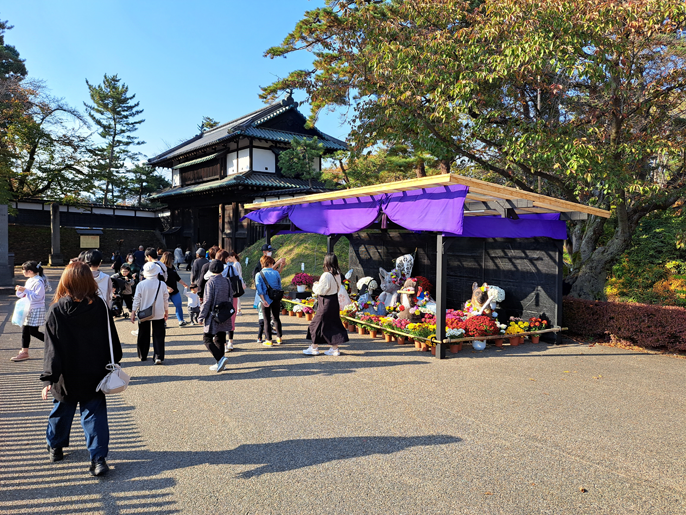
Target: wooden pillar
(220, 235)
(6, 258)
(234, 226)
(55, 257)
(442, 247)
(331, 241)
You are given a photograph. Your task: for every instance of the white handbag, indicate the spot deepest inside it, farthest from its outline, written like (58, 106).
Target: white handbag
(116, 379)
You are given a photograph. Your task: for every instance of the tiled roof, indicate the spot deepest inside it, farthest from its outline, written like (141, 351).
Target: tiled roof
(241, 126)
(264, 180)
(286, 137)
(196, 161)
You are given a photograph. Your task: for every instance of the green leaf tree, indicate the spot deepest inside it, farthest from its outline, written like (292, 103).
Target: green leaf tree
(114, 114)
(299, 161)
(143, 181)
(207, 123)
(582, 101)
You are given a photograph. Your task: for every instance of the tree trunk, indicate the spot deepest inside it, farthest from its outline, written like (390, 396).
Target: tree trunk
(420, 169)
(444, 165)
(590, 282)
(107, 187)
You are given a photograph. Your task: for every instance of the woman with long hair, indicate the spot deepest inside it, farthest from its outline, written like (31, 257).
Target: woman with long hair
(173, 280)
(235, 261)
(34, 290)
(77, 351)
(326, 326)
(217, 291)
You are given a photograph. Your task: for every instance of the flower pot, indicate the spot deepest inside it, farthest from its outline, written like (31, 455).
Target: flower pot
(418, 345)
(423, 346)
(433, 351)
(372, 333)
(455, 347)
(309, 316)
(301, 288)
(498, 342)
(388, 337)
(361, 330)
(351, 328)
(514, 341)
(401, 340)
(535, 338)
(300, 314)
(291, 313)
(284, 311)
(479, 344)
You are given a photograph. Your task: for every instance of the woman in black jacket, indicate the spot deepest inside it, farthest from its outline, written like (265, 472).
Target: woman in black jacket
(77, 350)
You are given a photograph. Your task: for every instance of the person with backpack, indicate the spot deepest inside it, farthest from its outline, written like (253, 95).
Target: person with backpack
(268, 286)
(217, 302)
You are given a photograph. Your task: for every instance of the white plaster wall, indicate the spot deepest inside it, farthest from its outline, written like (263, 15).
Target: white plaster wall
(264, 160)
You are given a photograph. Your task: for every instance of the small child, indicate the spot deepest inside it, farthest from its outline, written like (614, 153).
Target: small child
(260, 321)
(193, 302)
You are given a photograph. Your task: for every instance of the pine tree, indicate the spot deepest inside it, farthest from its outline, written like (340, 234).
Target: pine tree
(114, 113)
(207, 123)
(299, 160)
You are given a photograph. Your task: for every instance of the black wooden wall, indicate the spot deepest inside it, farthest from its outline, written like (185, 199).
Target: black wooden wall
(529, 270)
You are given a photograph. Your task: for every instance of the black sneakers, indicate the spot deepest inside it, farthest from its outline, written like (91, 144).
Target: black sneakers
(55, 454)
(99, 467)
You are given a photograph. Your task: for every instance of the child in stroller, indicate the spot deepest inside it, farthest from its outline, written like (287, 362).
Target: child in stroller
(123, 285)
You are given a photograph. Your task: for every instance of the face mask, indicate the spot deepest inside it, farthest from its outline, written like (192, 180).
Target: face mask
(131, 260)
(269, 254)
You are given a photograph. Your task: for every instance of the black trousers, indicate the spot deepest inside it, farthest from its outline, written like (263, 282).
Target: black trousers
(128, 301)
(158, 335)
(27, 332)
(217, 346)
(273, 309)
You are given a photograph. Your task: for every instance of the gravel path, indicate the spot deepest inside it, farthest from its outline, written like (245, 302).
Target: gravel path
(382, 429)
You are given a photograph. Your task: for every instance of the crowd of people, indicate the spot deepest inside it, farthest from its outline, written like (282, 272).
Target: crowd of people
(81, 339)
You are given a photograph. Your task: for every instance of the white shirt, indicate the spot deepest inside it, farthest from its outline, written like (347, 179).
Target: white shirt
(327, 284)
(145, 295)
(104, 287)
(193, 300)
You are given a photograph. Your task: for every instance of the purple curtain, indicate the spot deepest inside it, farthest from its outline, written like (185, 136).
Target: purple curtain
(268, 215)
(431, 209)
(528, 226)
(342, 216)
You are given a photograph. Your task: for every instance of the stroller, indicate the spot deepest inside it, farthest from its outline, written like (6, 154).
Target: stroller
(117, 299)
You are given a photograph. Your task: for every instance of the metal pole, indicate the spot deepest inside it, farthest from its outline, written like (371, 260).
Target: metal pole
(441, 294)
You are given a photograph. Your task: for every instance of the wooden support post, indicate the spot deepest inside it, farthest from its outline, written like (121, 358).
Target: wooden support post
(331, 241)
(442, 247)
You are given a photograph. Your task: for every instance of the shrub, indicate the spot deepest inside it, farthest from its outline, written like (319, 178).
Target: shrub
(644, 325)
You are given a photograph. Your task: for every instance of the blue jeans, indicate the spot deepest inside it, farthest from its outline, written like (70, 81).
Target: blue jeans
(93, 421)
(178, 304)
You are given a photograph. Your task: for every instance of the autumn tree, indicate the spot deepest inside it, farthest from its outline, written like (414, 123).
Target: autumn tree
(114, 113)
(584, 98)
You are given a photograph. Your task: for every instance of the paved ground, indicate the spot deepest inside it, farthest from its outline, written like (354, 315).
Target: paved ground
(381, 429)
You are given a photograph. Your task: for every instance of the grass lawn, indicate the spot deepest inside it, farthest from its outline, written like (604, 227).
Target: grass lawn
(296, 249)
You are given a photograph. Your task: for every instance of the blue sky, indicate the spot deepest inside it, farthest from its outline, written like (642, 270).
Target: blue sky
(183, 60)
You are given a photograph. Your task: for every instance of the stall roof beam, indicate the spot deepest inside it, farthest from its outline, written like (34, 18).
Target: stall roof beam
(478, 189)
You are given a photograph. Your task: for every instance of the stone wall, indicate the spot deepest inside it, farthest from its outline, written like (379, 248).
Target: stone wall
(33, 242)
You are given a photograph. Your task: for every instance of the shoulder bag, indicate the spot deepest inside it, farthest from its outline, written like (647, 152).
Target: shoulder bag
(146, 314)
(236, 283)
(223, 311)
(116, 379)
(272, 293)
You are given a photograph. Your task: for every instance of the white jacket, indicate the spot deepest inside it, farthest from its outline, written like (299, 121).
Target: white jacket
(35, 291)
(104, 287)
(145, 295)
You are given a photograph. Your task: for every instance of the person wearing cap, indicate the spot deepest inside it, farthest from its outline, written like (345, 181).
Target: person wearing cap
(198, 263)
(151, 292)
(217, 290)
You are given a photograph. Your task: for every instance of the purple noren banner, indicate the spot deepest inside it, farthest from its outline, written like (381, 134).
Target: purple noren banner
(341, 216)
